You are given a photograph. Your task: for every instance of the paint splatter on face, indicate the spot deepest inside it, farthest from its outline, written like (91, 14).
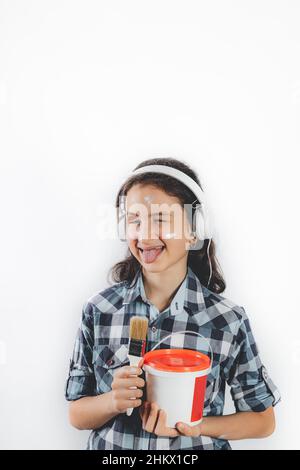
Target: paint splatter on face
(170, 235)
(148, 199)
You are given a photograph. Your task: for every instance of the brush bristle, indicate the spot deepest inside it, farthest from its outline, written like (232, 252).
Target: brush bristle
(138, 328)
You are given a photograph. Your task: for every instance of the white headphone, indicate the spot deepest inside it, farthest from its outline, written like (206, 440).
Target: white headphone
(201, 224)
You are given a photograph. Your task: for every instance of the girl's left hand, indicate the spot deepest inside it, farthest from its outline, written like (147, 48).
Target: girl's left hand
(154, 420)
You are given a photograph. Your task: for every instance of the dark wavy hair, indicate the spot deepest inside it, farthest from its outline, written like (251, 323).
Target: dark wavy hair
(126, 269)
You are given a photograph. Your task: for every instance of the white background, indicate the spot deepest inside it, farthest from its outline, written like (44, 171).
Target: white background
(88, 89)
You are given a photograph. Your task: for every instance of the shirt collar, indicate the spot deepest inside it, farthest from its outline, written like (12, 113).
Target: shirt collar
(189, 295)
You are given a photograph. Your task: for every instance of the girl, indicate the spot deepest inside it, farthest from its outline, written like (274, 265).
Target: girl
(173, 278)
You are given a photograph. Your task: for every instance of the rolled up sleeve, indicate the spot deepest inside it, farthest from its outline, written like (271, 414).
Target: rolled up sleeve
(81, 380)
(250, 385)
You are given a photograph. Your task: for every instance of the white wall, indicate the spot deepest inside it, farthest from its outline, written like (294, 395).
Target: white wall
(88, 89)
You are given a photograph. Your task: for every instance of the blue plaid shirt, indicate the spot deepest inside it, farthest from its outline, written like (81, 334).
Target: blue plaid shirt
(101, 347)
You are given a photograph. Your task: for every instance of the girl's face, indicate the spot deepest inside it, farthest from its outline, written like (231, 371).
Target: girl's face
(158, 232)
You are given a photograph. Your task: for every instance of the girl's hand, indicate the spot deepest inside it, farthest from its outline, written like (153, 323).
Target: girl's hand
(155, 420)
(126, 388)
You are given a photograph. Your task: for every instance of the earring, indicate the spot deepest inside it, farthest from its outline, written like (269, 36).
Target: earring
(193, 241)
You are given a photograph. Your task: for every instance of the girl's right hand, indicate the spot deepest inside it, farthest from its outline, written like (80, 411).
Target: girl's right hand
(126, 389)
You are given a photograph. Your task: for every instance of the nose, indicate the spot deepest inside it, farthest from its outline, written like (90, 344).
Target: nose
(146, 231)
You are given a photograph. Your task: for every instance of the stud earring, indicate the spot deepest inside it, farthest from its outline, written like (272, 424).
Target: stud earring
(193, 242)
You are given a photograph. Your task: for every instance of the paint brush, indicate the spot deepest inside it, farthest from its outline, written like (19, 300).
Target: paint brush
(137, 342)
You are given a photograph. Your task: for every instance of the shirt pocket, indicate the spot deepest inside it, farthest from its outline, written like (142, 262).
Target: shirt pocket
(106, 359)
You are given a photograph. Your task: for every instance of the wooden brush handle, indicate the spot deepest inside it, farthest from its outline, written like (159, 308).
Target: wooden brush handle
(134, 361)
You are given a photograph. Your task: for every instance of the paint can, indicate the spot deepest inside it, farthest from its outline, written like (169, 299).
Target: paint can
(176, 381)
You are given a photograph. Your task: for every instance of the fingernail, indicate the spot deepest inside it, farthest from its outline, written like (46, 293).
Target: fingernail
(134, 370)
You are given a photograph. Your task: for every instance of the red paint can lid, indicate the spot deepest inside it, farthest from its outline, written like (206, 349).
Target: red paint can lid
(177, 360)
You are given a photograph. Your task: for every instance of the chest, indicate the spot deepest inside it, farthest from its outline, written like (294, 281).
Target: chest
(111, 338)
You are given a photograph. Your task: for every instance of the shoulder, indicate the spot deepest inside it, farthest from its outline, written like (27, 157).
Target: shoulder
(223, 310)
(108, 300)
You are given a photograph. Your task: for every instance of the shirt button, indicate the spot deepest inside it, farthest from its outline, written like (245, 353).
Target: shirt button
(110, 362)
(154, 329)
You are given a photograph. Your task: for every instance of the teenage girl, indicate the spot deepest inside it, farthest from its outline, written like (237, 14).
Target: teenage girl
(171, 276)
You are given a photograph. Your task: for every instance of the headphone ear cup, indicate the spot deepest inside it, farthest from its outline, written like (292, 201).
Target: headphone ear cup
(199, 224)
(207, 222)
(121, 218)
(203, 226)
(122, 228)
(208, 231)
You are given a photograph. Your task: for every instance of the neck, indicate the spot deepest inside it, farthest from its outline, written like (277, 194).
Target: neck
(160, 287)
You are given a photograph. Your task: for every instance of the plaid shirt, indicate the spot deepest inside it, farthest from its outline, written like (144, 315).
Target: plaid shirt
(101, 347)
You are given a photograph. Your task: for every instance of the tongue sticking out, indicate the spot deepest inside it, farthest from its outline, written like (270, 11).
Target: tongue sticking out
(150, 255)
